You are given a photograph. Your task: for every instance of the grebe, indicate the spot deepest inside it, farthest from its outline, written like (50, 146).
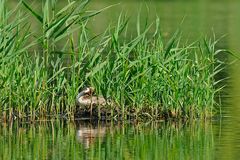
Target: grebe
(86, 98)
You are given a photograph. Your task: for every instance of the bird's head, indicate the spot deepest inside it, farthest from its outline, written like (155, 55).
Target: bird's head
(89, 91)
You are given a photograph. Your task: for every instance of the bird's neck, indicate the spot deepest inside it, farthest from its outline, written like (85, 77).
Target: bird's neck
(79, 95)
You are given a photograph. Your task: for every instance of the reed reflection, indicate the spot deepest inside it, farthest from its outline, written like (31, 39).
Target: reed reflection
(87, 133)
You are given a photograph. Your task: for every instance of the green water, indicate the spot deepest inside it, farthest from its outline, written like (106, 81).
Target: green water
(61, 140)
(199, 140)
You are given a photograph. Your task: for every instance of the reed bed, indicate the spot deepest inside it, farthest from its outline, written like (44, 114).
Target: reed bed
(144, 77)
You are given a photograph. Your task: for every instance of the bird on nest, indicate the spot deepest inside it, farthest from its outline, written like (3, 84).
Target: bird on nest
(86, 98)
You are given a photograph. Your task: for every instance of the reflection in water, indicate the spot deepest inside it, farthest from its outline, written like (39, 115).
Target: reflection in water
(61, 140)
(230, 131)
(87, 133)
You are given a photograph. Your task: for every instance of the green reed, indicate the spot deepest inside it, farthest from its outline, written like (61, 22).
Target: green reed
(144, 77)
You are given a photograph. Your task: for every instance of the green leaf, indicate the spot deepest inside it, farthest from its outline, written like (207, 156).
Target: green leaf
(39, 18)
(171, 43)
(96, 69)
(65, 8)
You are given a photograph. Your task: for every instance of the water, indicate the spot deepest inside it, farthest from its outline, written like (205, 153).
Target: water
(64, 140)
(218, 139)
(98, 140)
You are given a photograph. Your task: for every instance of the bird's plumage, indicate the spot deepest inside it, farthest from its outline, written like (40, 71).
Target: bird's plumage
(86, 98)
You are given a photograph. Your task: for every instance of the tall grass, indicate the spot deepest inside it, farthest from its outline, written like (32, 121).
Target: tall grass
(41, 72)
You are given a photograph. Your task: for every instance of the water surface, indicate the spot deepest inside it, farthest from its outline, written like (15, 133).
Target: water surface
(81, 140)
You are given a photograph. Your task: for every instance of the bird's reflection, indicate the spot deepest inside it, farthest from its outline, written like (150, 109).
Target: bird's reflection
(87, 133)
